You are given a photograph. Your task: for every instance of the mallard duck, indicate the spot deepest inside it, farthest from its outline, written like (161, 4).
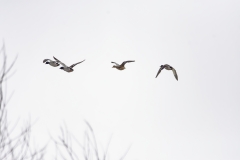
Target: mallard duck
(167, 67)
(120, 67)
(50, 62)
(65, 67)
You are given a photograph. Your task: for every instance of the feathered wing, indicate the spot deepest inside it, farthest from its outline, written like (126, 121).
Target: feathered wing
(45, 60)
(76, 64)
(64, 65)
(123, 63)
(159, 71)
(115, 63)
(175, 74)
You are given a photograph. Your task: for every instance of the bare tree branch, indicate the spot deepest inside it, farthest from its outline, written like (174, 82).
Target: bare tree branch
(13, 147)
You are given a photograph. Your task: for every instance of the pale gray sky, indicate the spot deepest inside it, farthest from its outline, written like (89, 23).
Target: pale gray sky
(197, 117)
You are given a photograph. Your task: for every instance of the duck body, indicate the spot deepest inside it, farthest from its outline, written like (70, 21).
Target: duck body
(50, 62)
(167, 67)
(119, 67)
(67, 69)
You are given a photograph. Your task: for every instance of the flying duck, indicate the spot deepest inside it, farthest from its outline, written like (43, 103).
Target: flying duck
(65, 67)
(167, 67)
(120, 67)
(50, 62)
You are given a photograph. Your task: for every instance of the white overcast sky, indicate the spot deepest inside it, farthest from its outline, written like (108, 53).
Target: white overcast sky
(195, 118)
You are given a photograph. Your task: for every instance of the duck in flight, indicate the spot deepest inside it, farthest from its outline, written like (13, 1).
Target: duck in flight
(65, 67)
(51, 62)
(167, 67)
(120, 67)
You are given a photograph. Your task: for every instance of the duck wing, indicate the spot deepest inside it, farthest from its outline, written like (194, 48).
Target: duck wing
(175, 73)
(76, 64)
(64, 65)
(123, 63)
(115, 63)
(159, 71)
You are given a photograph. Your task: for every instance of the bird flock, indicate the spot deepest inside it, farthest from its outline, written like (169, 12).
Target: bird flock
(117, 66)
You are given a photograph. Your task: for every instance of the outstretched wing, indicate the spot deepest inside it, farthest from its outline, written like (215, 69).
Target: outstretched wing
(45, 60)
(64, 65)
(175, 73)
(126, 62)
(160, 69)
(76, 64)
(115, 63)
